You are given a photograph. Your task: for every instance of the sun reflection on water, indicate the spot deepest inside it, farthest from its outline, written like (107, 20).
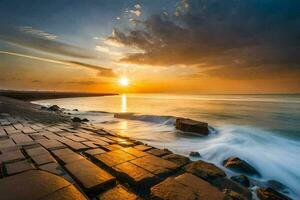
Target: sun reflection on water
(124, 103)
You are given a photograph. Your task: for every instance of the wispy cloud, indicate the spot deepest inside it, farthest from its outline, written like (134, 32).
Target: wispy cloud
(102, 71)
(36, 32)
(29, 37)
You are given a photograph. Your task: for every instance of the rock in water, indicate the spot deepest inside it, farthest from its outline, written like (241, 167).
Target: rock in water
(224, 183)
(276, 185)
(84, 120)
(241, 179)
(195, 154)
(232, 195)
(123, 115)
(76, 119)
(270, 194)
(239, 165)
(193, 126)
(54, 108)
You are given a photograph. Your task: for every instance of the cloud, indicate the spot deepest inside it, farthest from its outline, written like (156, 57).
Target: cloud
(137, 6)
(102, 71)
(42, 41)
(237, 37)
(36, 32)
(80, 82)
(137, 10)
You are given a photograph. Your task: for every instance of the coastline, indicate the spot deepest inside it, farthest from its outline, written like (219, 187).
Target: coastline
(171, 172)
(41, 95)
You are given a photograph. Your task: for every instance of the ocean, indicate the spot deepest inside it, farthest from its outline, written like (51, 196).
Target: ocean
(263, 130)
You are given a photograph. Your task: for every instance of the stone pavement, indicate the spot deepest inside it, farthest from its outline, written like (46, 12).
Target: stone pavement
(79, 161)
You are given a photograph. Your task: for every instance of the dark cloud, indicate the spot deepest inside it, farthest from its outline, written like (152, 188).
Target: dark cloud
(82, 82)
(102, 71)
(236, 36)
(31, 38)
(36, 81)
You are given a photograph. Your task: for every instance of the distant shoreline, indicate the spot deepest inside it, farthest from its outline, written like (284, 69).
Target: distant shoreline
(40, 95)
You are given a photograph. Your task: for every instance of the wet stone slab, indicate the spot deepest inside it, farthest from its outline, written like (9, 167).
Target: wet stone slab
(69, 192)
(159, 152)
(19, 166)
(43, 159)
(100, 142)
(11, 156)
(11, 130)
(93, 152)
(77, 146)
(67, 156)
(185, 187)
(36, 151)
(2, 133)
(118, 193)
(134, 152)
(156, 165)
(113, 158)
(18, 126)
(51, 144)
(21, 139)
(135, 175)
(106, 139)
(54, 168)
(91, 177)
(90, 144)
(76, 138)
(113, 147)
(28, 130)
(37, 136)
(6, 144)
(142, 147)
(36, 185)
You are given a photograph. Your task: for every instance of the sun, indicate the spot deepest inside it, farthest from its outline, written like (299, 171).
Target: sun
(124, 81)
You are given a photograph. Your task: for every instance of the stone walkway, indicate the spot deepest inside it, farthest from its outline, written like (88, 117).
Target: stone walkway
(78, 161)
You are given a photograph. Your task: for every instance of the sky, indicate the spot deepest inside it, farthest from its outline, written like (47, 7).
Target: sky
(160, 46)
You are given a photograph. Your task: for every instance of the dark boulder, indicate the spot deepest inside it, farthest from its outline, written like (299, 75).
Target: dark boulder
(239, 165)
(205, 170)
(54, 108)
(44, 108)
(232, 195)
(76, 119)
(195, 154)
(276, 185)
(123, 115)
(193, 126)
(241, 179)
(75, 110)
(270, 194)
(224, 183)
(84, 120)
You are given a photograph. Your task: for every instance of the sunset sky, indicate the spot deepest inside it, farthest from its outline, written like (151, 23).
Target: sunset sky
(170, 46)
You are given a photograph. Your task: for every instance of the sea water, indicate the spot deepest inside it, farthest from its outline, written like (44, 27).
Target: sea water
(263, 130)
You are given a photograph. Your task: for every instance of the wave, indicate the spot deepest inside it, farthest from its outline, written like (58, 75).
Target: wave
(158, 119)
(274, 156)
